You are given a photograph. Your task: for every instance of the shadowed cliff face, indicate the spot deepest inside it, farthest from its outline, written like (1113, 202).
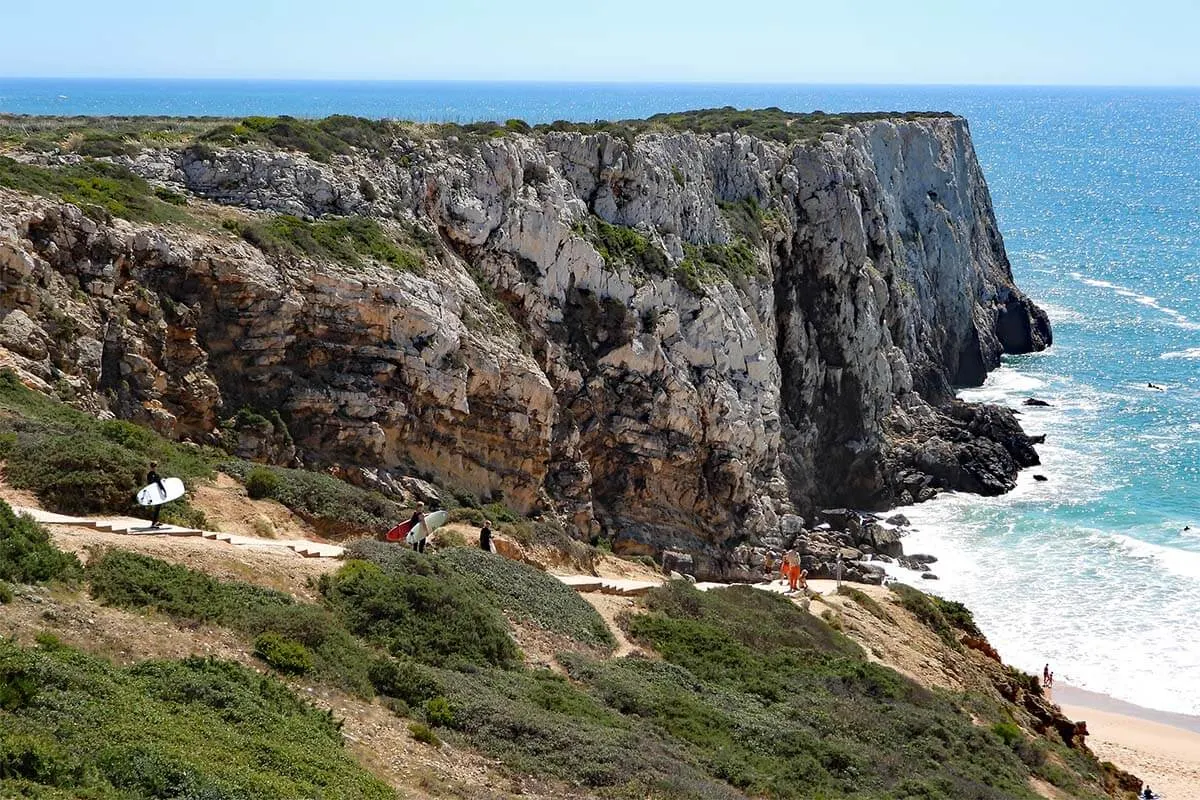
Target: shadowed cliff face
(767, 329)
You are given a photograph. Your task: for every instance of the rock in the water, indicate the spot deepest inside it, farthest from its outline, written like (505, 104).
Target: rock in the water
(1033, 401)
(929, 576)
(898, 520)
(1040, 478)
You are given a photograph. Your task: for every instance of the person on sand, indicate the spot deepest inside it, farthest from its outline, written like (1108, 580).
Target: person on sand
(1046, 675)
(418, 521)
(799, 579)
(785, 569)
(485, 536)
(768, 566)
(152, 478)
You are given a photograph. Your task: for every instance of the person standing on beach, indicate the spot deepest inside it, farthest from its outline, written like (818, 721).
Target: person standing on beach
(1046, 675)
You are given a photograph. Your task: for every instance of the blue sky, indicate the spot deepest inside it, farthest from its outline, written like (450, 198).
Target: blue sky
(1138, 42)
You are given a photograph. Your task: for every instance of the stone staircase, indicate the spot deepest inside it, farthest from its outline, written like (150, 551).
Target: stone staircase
(132, 526)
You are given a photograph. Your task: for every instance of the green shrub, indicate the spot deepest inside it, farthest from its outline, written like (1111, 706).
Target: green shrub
(6, 593)
(928, 611)
(623, 248)
(865, 601)
(528, 593)
(333, 507)
(413, 683)
(198, 728)
(321, 139)
(714, 263)
(261, 482)
(76, 464)
(100, 189)
(184, 514)
(424, 734)
(767, 123)
(348, 241)
(27, 555)
(1008, 732)
(76, 473)
(283, 654)
(411, 614)
(131, 580)
(957, 615)
(439, 713)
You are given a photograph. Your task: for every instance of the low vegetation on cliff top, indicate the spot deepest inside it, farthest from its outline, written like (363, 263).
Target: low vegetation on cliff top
(339, 135)
(99, 188)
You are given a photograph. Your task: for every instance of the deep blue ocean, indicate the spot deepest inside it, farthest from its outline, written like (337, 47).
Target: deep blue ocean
(1098, 196)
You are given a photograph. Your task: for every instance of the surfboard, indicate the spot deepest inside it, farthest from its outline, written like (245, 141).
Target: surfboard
(398, 533)
(432, 522)
(152, 495)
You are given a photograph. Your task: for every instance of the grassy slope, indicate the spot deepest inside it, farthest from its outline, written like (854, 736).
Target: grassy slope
(76, 726)
(752, 697)
(77, 464)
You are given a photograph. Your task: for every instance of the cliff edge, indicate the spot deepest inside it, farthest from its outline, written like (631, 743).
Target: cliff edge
(674, 340)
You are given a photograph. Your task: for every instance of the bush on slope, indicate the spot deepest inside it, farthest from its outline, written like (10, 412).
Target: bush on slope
(518, 589)
(423, 616)
(72, 725)
(26, 553)
(77, 464)
(131, 580)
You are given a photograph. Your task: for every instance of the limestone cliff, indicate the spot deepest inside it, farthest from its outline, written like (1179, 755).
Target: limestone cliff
(674, 341)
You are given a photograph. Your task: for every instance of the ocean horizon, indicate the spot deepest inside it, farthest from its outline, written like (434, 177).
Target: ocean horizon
(1095, 570)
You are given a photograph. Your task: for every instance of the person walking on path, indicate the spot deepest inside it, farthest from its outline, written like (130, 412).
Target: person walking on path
(152, 478)
(418, 524)
(485, 536)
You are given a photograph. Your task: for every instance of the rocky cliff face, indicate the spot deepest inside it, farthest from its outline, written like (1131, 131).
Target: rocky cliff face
(675, 342)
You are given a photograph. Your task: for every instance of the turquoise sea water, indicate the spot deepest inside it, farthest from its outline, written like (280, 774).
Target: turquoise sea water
(1098, 195)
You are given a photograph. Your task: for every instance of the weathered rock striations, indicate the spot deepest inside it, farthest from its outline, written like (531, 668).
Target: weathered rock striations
(786, 339)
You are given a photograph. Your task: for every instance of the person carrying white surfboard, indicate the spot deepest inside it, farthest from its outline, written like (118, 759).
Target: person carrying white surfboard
(418, 520)
(152, 479)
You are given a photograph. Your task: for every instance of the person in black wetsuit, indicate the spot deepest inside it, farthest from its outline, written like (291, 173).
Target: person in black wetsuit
(417, 520)
(485, 536)
(152, 478)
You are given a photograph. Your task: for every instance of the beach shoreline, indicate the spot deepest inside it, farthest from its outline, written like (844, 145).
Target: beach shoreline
(1160, 747)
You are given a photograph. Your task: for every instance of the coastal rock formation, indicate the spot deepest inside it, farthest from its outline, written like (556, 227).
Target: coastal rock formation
(677, 341)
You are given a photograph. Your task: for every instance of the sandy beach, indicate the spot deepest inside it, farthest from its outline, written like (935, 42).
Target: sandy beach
(1162, 749)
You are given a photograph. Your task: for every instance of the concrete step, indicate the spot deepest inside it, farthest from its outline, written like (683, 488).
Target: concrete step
(134, 526)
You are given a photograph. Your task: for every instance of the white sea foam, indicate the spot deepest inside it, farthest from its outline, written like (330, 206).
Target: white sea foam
(1107, 611)
(1178, 318)
(1060, 314)
(1191, 353)
(1055, 572)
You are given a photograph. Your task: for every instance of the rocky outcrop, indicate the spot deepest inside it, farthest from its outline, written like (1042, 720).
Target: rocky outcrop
(778, 328)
